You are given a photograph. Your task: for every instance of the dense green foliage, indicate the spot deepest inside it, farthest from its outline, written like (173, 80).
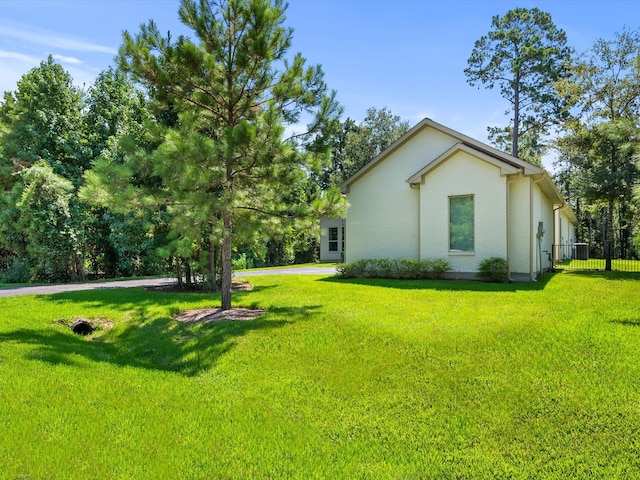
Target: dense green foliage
(600, 147)
(50, 136)
(43, 120)
(123, 148)
(494, 269)
(44, 218)
(43, 157)
(399, 268)
(340, 379)
(524, 54)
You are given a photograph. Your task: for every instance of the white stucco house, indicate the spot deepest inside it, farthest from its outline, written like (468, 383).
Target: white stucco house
(436, 193)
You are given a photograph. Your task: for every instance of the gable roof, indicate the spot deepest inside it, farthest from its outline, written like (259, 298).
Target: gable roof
(526, 167)
(505, 167)
(508, 164)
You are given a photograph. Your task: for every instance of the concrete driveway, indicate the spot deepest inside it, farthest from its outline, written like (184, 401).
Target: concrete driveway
(150, 282)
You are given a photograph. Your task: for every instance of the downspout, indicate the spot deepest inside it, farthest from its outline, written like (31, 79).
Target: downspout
(556, 235)
(531, 251)
(509, 182)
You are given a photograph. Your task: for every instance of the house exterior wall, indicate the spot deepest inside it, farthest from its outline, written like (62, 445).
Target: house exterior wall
(326, 254)
(565, 236)
(382, 220)
(566, 230)
(463, 174)
(542, 211)
(389, 217)
(519, 225)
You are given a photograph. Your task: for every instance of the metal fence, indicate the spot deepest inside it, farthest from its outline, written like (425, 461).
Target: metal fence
(579, 256)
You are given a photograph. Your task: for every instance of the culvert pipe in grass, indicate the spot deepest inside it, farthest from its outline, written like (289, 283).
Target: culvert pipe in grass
(82, 327)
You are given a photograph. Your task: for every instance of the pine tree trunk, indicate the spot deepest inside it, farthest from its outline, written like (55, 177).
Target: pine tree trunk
(516, 118)
(226, 262)
(178, 272)
(187, 273)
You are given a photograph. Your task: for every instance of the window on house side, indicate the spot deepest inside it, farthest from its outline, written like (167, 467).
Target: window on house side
(461, 236)
(333, 239)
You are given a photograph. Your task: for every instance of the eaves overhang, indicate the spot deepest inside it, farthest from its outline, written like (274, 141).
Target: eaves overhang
(506, 168)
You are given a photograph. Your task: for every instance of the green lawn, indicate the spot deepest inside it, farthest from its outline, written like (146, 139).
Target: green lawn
(341, 379)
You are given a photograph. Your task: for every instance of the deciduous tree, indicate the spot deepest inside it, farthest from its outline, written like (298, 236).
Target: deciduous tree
(117, 243)
(602, 140)
(43, 158)
(44, 219)
(43, 120)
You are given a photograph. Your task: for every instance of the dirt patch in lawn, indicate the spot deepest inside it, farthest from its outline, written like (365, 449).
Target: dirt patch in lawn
(236, 286)
(208, 315)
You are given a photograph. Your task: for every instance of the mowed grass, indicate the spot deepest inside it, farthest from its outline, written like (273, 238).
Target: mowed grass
(340, 379)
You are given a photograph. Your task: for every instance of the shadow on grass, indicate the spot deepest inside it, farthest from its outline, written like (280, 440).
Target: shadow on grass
(156, 344)
(136, 298)
(147, 340)
(628, 322)
(445, 285)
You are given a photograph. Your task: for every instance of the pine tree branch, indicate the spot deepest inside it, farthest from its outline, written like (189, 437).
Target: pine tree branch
(271, 214)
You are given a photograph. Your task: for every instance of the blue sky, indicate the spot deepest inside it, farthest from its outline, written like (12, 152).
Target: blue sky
(406, 55)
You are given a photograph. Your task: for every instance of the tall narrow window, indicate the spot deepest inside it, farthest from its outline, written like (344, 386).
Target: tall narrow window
(333, 239)
(461, 237)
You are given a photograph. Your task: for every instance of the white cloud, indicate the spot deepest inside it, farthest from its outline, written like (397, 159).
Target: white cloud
(20, 57)
(64, 59)
(52, 39)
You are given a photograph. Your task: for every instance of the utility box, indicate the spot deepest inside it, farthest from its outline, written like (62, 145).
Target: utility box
(581, 251)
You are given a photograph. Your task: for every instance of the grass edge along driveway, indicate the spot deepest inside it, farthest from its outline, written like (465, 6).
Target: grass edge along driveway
(341, 379)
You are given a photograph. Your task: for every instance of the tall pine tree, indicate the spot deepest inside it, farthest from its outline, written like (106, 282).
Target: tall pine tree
(237, 144)
(524, 54)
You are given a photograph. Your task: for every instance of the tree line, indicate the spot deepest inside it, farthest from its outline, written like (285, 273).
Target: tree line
(193, 156)
(187, 156)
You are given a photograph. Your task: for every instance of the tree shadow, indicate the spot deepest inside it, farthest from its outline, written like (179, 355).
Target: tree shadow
(138, 298)
(155, 344)
(147, 339)
(627, 322)
(446, 285)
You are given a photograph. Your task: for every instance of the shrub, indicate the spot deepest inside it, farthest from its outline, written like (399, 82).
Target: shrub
(17, 271)
(352, 270)
(434, 268)
(494, 269)
(408, 269)
(399, 268)
(242, 262)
